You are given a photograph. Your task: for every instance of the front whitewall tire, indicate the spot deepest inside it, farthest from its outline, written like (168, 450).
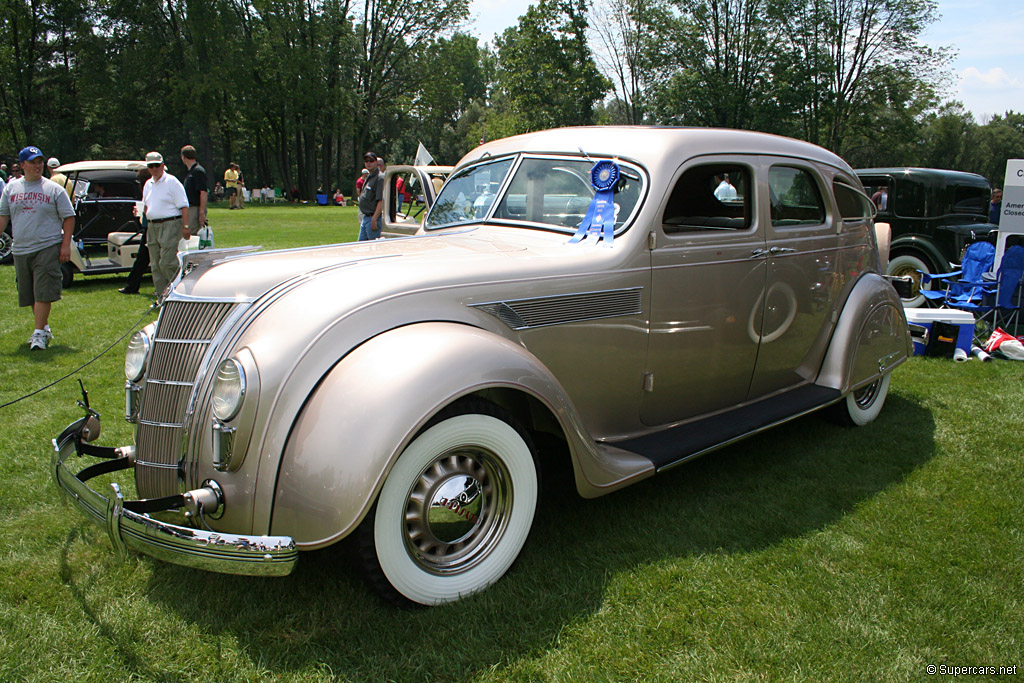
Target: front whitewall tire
(476, 548)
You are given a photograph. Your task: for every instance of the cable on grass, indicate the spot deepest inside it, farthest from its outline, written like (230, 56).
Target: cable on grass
(87, 363)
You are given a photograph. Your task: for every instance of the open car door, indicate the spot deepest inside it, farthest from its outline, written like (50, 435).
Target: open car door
(420, 186)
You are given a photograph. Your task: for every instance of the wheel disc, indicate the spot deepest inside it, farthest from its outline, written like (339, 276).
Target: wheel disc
(866, 396)
(455, 510)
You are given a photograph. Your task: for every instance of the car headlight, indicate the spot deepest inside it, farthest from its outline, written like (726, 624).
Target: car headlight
(228, 389)
(137, 355)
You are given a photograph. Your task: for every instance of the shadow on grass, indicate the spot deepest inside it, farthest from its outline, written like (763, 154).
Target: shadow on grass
(782, 484)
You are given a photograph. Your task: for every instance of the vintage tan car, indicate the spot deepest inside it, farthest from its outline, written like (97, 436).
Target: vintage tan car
(626, 299)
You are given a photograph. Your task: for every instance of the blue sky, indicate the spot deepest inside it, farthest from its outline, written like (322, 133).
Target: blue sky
(986, 35)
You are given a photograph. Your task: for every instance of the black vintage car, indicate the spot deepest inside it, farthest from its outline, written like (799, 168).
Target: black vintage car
(934, 215)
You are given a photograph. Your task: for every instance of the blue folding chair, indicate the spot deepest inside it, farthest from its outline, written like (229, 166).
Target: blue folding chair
(999, 296)
(962, 286)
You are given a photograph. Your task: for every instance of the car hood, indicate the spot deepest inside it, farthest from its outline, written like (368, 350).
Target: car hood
(228, 274)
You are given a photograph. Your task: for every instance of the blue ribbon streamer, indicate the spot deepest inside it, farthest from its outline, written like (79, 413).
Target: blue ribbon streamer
(599, 220)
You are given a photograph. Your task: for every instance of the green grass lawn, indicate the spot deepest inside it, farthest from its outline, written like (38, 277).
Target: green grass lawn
(808, 553)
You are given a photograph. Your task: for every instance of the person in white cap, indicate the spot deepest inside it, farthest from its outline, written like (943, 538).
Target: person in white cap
(58, 178)
(43, 222)
(166, 209)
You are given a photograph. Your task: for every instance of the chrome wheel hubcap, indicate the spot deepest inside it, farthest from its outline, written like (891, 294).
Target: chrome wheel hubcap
(866, 396)
(456, 510)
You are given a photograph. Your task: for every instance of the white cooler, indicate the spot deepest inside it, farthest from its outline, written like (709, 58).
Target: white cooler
(964, 321)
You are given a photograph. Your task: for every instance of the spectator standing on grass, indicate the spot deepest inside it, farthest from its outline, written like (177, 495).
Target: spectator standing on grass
(996, 206)
(3, 173)
(59, 178)
(241, 187)
(165, 207)
(231, 186)
(360, 180)
(42, 223)
(195, 187)
(141, 264)
(370, 200)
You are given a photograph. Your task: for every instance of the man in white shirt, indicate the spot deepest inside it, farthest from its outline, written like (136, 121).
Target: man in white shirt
(725, 191)
(166, 209)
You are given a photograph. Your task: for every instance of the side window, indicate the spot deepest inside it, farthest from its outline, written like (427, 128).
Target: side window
(880, 191)
(853, 206)
(795, 197)
(710, 197)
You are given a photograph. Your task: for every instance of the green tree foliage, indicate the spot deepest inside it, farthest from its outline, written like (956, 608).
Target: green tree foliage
(296, 90)
(546, 72)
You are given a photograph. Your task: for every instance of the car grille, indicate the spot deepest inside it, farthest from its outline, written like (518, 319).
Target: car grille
(184, 334)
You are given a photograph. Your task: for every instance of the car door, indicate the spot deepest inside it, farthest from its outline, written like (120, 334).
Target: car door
(707, 270)
(794, 318)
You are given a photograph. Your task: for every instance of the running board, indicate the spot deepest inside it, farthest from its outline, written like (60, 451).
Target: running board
(686, 441)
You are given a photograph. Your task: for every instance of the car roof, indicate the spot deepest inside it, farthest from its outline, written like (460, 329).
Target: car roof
(930, 175)
(655, 147)
(101, 165)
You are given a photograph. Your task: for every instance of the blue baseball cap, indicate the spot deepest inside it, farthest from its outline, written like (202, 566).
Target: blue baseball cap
(28, 154)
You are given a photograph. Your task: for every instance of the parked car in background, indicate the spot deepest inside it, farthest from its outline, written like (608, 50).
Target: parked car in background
(104, 196)
(617, 301)
(934, 215)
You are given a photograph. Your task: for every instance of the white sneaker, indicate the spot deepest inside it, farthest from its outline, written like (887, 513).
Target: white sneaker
(39, 340)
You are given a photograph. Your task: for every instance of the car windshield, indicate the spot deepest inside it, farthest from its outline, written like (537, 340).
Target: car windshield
(548, 191)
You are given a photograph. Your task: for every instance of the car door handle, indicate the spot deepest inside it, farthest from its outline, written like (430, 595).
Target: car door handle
(758, 253)
(781, 250)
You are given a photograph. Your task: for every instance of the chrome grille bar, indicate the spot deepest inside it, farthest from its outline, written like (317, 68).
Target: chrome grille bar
(184, 333)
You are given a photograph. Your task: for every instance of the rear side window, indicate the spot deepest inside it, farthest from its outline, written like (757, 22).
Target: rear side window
(795, 197)
(710, 197)
(967, 199)
(853, 206)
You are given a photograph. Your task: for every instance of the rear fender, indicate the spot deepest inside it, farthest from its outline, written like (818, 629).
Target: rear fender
(870, 338)
(368, 408)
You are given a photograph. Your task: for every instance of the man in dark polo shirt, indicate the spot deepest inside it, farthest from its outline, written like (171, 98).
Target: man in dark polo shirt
(196, 188)
(370, 204)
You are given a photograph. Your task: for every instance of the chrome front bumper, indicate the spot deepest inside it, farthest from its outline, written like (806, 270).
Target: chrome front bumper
(207, 550)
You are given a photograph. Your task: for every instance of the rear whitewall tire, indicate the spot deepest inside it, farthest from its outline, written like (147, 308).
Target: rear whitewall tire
(863, 406)
(431, 550)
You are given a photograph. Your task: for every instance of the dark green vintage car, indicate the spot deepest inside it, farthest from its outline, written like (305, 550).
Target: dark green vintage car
(934, 215)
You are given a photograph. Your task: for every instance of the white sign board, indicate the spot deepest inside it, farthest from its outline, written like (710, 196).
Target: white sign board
(1011, 215)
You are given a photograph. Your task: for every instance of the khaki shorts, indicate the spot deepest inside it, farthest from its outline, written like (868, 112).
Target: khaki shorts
(38, 275)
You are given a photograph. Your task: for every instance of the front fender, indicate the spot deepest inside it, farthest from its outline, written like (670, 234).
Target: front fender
(870, 338)
(373, 403)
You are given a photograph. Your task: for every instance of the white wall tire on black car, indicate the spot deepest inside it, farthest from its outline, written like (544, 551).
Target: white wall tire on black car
(860, 407)
(455, 510)
(908, 265)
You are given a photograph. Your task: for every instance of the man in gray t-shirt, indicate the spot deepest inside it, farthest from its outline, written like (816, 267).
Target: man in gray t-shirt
(42, 222)
(370, 204)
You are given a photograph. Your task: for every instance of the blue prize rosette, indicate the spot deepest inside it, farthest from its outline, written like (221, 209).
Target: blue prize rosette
(600, 218)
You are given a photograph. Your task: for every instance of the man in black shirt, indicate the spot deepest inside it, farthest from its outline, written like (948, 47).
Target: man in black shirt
(196, 188)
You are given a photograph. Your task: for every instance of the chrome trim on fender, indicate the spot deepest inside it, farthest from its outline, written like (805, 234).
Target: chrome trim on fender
(199, 549)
